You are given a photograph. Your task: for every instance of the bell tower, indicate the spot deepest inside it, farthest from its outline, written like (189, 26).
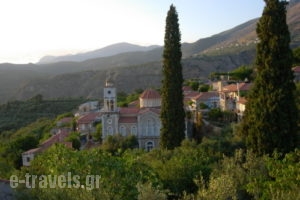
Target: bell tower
(110, 97)
(110, 112)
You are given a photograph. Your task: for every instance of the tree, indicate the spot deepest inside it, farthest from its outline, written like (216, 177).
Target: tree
(296, 55)
(270, 120)
(172, 111)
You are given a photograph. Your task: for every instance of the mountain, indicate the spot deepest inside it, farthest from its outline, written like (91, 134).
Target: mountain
(110, 50)
(137, 69)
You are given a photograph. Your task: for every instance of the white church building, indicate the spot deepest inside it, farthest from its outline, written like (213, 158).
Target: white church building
(142, 120)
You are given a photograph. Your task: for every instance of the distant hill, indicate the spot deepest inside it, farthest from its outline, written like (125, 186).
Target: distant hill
(110, 50)
(136, 69)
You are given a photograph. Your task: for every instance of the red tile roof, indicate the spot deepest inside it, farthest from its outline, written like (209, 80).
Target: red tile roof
(150, 94)
(192, 94)
(58, 138)
(206, 95)
(129, 110)
(65, 120)
(128, 120)
(187, 89)
(145, 110)
(88, 118)
(233, 87)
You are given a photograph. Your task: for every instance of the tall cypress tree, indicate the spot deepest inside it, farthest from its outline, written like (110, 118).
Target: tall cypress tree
(270, 120)
(172, 111)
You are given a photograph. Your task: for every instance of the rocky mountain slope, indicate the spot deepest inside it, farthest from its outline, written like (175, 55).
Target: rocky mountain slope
(137, 69)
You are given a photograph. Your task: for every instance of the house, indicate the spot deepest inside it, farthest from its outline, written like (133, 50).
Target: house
(88, 106)
(59, 137)
(85, 123)
(241, 107)
(230, 94)
(143, 121)
(210, 99)
(296, 71)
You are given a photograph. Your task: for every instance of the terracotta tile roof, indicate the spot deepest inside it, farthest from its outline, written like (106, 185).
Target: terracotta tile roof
(35, 150)
(150, 94)
(65, 120)
(59, 137)
(129, 110)
(145, 110)
(233, 87)
(296, 69)
(134, 103)
(187, 89)
(192, 94)
(206, 95)
(128, 120)
(88, 118)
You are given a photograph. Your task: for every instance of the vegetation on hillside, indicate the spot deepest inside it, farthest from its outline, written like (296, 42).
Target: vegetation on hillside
(16, 114)
(220, 165)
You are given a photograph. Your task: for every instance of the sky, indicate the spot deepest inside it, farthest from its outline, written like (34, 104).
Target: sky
(32, 29)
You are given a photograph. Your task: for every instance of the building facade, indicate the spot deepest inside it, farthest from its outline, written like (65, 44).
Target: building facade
(142, 121)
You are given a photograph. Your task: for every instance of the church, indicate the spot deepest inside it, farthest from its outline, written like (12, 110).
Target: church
(142, 120)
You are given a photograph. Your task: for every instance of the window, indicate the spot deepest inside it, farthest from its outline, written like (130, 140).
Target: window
(149, 145)
(109, 130)
(133, 130)
(123, 130)
(150, 127)
(28, 159)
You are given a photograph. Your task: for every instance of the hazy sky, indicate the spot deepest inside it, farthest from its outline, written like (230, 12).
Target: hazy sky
(31, 29)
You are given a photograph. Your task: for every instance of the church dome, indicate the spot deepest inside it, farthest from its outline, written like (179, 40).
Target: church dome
(150, 98)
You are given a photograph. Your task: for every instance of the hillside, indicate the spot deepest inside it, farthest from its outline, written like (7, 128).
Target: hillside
(110, 50)
(136, 69)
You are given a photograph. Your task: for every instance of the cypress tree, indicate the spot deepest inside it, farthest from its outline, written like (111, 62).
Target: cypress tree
(270, 120)
(172, 111)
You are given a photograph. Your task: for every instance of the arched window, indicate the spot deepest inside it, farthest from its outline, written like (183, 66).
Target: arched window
(109, 130)
(123, 130)
(149, 145)
(133, 130)
(150, 127)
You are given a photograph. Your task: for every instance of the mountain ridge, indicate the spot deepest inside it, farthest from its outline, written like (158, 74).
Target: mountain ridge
(106, 51)
(221, 52)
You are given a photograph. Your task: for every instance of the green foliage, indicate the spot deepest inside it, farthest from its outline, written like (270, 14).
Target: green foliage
(204, 88)
(296, 56)
(223, 117)
(179, 167)
(74, 138)
(147, 192)
(193, 84)
(270, 120)
(97, 136)
(242, 73)
(248, 176)
(119, 176)
(124, 100)
(203, 106)
(17, 114)
(13, 149)
(118, 143)
(172, 111)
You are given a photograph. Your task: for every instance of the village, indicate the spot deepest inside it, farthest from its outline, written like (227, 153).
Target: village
(142, 117)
